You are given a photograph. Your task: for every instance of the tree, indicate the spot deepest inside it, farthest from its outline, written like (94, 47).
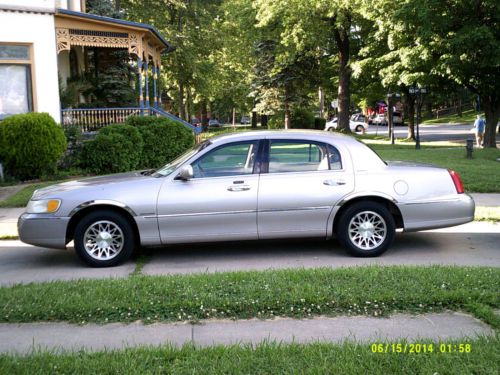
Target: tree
(459, 41)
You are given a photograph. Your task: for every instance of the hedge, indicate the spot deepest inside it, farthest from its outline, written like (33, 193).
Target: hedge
(31, 144)
(164, 139)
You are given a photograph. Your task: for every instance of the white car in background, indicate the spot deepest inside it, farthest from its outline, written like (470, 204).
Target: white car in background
(356, 123)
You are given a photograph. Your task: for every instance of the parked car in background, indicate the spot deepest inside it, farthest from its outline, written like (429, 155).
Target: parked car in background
(214, 123)
(249, 186)
(380, 119)
(356, 124)
(196, 121)
(245, 120)
(397, 118)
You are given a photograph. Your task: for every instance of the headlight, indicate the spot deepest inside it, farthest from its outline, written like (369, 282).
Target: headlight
(43, 206)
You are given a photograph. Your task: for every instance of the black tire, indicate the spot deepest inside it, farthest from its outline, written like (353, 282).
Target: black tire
(373, 210)
(359, 129)
(116, 221)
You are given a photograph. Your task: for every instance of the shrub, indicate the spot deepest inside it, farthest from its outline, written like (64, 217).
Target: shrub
(31, 144)
(302, 119)
(276, 122)
(319, 123)
(74, 140)
(116, 148)
(164, 139)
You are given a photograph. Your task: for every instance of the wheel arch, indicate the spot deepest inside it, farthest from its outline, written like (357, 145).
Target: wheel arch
(386, 201)
(81, 212)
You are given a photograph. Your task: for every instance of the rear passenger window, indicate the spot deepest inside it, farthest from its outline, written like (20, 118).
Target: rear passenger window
(300, 156)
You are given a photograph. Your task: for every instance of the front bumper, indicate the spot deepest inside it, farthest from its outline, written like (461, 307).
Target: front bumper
(440, 214)
(43, 230)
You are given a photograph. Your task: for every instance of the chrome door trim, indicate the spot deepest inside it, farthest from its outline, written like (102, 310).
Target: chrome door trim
(203, 214)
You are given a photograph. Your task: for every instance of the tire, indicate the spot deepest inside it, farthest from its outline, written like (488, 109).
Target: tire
(366, 213)
(114, 225)
(359, 129)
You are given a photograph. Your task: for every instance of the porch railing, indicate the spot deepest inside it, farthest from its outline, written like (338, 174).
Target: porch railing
(93, 119)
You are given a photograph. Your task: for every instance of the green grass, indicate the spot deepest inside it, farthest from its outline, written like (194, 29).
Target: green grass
(265, 358)
(491, 214)
(374, 290)
(467, 117)
(4, 238)
(21, 198)
(479, 175)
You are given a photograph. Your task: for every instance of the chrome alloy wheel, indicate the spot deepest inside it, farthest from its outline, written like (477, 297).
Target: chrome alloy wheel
(103, 240)
(367, 230)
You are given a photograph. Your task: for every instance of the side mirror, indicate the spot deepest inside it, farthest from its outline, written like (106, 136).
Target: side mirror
(186, 173)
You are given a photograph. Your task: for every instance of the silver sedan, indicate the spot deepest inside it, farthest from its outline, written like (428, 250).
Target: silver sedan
(248, 186)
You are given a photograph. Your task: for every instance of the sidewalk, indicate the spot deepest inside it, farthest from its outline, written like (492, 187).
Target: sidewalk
(443, 327)
(8, 216)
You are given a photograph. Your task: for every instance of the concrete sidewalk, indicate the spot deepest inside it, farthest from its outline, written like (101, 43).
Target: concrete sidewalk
(8, 216)
(23, 338)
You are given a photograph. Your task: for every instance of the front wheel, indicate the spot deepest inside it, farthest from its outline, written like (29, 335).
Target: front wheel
(360, 129)
(104, 239)
(366, 229)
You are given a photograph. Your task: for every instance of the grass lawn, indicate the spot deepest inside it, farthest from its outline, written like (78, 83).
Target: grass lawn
(467, 117)
(21, 198)
(374, 290)
(266, 358)
(487, 214)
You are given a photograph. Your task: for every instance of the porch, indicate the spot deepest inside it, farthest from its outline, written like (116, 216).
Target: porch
(94, 51)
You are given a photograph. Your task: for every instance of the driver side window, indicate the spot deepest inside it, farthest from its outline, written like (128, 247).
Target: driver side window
(228, 160)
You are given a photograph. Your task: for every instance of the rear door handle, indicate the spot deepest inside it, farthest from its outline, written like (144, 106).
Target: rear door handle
(239, 188)
(334, 182)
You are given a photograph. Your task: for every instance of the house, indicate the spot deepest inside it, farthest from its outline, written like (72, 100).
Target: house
(44, 43)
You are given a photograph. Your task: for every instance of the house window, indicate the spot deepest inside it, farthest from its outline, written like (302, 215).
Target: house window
(15, 79)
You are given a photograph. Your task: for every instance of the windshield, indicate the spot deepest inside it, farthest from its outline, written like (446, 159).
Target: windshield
(176, 163)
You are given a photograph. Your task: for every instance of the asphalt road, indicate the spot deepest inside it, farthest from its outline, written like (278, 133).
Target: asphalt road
(474, 244)
(431, 133)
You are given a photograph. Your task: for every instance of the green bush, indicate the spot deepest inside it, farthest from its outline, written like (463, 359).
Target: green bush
(164, 139)
(116, 148)
(31, 144)
(276, 122)
(319, 123)
(302, 119)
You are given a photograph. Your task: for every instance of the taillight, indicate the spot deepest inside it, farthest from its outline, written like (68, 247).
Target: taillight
(457, 181)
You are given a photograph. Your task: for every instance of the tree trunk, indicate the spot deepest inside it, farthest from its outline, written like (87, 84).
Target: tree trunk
(410, 110)
(204, 112)
(287, 115)
(254, 120)
(188, 105)
(118, 5)
(321, 95)
(180, 104)
(492, 114)
(342, 39)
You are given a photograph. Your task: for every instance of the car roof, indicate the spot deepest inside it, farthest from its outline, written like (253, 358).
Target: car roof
(316, 135)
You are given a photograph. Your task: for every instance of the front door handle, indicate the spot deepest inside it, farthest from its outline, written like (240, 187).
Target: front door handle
(239, 188)
(334, 182)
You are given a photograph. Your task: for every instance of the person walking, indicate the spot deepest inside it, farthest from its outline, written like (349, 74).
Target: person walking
(479, 125)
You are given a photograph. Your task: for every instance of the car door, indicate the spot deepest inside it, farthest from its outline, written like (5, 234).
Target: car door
(218, 203)
(301, 182)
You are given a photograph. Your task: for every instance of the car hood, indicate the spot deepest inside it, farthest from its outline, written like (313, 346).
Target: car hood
(91, 182)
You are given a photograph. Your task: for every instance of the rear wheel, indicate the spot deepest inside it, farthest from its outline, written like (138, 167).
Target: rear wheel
(104, 239)
(359, 129)
(366, 229)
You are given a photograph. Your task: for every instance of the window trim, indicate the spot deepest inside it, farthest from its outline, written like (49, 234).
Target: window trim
(29, 62)
(255, 169)
(267, 151)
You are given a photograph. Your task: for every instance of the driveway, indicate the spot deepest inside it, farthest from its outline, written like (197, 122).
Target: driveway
(473, 244)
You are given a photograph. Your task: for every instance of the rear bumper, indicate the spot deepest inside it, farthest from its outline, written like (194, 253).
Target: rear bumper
(439, 214)
(43, 230)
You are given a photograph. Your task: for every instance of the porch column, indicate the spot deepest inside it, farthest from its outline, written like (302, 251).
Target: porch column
(139, 75)
(146, 82)
(159, 88)
(155, 96)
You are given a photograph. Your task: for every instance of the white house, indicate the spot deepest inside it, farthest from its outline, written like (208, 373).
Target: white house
(44, 42)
